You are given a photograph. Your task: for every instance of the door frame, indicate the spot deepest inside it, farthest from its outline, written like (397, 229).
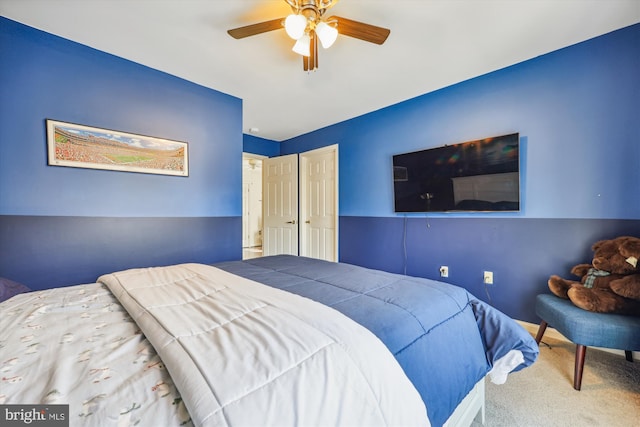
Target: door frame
(246, 156)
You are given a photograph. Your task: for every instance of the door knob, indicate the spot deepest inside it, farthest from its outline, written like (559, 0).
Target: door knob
(308, 221)
(291, 222)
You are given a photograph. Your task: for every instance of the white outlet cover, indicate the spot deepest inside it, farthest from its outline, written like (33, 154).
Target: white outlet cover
(444, 271)
(488, 277)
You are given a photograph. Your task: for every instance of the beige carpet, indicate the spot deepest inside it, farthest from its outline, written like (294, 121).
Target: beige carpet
(543, 394)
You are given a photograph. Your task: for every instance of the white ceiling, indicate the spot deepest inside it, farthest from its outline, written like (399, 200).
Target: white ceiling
(433, 44)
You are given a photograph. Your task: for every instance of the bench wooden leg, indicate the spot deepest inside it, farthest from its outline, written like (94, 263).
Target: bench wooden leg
(629, 355)
(541, 329)
(581, 351)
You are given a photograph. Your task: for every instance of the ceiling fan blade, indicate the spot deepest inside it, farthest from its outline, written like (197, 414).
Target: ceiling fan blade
(360, 30)
(253, 29)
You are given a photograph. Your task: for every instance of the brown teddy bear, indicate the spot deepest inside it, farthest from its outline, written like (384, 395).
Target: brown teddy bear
(610, 284)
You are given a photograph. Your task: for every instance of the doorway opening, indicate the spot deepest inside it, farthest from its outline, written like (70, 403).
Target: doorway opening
(251, 205)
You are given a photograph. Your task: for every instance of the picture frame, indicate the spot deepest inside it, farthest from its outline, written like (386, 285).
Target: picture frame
(80, 146)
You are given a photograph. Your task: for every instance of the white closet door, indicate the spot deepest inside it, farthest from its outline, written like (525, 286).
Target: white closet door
(319, 203)
(280, 205)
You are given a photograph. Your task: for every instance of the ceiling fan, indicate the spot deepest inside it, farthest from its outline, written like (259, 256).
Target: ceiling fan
(307, 25)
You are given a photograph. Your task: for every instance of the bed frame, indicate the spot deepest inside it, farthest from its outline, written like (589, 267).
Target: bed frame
(468, 409)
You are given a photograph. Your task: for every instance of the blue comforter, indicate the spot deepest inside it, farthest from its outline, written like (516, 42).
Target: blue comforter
(443, 337)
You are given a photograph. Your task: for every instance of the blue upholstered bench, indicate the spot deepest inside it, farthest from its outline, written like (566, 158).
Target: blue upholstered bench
(585, 328)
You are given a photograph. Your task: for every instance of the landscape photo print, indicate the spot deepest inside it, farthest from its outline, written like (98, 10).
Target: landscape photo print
(82, 146)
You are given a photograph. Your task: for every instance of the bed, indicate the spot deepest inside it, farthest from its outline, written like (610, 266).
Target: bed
(321, 343)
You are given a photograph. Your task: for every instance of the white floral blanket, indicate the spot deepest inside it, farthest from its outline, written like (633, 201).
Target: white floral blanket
(78, 346)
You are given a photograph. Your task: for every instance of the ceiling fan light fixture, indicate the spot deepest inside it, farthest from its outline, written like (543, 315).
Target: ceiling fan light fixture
(327, 34)
(307, 24)
(303, 46)
(295, 25)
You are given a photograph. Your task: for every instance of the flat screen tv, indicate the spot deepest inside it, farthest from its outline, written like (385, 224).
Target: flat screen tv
(482, 175)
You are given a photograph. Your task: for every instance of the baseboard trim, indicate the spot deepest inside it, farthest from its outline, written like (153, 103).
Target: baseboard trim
(553, 333)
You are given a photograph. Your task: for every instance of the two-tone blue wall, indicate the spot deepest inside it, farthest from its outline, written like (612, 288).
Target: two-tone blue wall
(576, 110)
(62, 226)
(578, 114)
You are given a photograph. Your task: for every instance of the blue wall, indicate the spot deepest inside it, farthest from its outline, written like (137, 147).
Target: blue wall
(577, 112)
(256, 145)
(61, 226)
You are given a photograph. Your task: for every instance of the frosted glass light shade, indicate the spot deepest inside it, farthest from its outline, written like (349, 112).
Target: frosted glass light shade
(295, 25)
(302, 46)
(327, 34)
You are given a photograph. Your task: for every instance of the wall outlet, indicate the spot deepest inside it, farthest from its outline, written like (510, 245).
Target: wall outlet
(444, 271)
(488, 278)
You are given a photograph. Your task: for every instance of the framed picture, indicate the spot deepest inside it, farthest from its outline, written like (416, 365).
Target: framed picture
(80, 146)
